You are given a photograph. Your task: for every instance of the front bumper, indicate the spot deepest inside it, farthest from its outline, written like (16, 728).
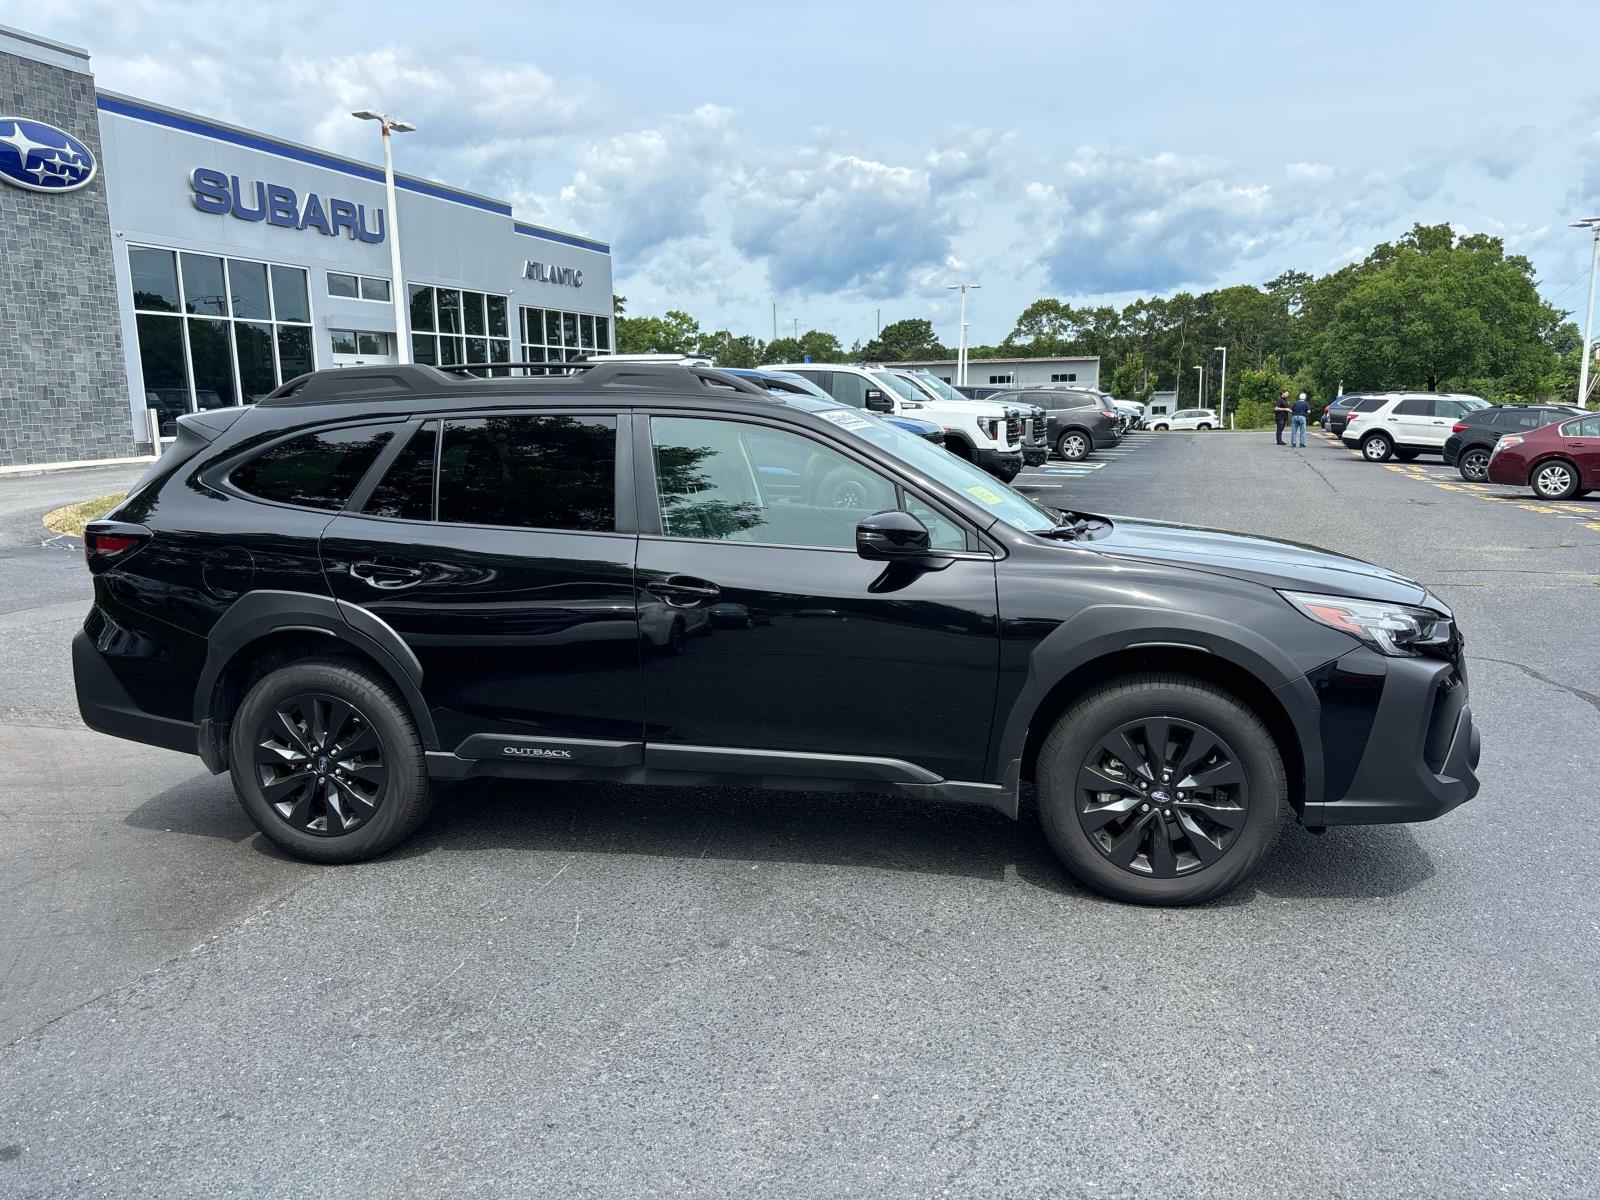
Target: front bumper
(1004, 465)
(1398, 740)
(1034, 456)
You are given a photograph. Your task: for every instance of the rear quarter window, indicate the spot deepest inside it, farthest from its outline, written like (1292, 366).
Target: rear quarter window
(314, 470)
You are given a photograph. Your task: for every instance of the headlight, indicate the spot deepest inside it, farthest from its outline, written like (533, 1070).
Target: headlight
(1510, 439)
(1397, 630)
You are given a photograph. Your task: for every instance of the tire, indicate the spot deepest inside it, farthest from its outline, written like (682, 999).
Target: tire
(261, 745)
(1554, 479)
(1376, 447)
(1407, 455)
(1076, 820)
(843, 487)
(1073, 445)
(1202, 427)
(1161, 428)
(1473, 465)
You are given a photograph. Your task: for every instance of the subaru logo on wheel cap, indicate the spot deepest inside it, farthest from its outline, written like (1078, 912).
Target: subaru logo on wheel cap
(42, 158)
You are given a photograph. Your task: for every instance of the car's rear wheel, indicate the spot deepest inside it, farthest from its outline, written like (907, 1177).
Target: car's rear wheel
(1376, 447)
(1160, 789)
(327, 762)
(1073, 445)
(1161, 427)
(1202, 426)
(1474, 465)
(1556, 479)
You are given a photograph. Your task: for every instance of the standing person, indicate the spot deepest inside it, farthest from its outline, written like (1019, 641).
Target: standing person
(1281, 413)
(1299, 412)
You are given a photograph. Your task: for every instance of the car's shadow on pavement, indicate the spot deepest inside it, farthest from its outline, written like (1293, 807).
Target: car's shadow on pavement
(880, 832)
(746, 826)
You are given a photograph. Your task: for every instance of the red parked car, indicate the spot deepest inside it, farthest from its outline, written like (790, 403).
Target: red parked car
(1558, 462)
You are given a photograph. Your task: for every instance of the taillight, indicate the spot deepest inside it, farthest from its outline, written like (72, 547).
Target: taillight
(1459, 427)
(1352, 419)
(111, 543)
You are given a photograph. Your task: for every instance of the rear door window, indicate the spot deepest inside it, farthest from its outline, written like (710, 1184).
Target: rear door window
(530, 471)
(314, 470)
(406, 491)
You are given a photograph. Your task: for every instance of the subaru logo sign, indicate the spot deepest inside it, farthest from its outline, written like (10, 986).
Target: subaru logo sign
(41, 157)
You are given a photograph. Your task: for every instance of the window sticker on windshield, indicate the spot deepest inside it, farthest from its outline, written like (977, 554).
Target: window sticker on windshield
(845, 419)
(987, 495)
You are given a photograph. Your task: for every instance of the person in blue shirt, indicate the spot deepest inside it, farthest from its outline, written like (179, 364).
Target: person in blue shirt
(1299, 412)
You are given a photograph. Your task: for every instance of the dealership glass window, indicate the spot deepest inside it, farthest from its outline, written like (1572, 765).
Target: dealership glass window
(359, 341)
(462, 319)
(549, 335)
(155, 279)
(344, 286)
(203, 288)
(1064, 377)
(248, 283)
(374, 289)
(248, 329)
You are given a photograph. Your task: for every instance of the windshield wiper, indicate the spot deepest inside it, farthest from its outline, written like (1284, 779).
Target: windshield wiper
(1072, 527)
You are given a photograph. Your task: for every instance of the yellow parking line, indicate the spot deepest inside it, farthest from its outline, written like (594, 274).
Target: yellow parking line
(1582, 510)
(1538, 508)
(1594, 525)
(1477, 487)
(1448, 487)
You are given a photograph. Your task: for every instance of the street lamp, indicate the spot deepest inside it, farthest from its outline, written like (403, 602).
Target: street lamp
(961, 353)
(1222, 404)
(1592, 224)
(402, 338)
(1201, 384)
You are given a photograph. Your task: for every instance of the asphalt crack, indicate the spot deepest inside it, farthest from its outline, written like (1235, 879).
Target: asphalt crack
(1589, 698)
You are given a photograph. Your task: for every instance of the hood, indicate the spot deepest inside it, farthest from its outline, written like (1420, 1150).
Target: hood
(1276, 564)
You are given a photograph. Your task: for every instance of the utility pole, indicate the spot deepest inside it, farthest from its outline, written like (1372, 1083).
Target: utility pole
(1593, 225)
(961, 352)
(1222, 404)
(797, 331)
(397, 287)
(774, 320)
(1201, 368)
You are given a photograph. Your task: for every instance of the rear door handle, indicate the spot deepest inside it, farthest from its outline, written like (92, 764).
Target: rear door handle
(683, 590)
(381, 575)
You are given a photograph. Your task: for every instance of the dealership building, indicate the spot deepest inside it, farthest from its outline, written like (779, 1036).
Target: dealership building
(1080, 371)
(159, 262)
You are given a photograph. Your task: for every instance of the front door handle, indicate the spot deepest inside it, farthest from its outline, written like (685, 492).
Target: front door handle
(683, 590)
(382, 575)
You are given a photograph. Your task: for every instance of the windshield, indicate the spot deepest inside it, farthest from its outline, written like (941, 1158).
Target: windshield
(935, 384)
(1013, 508)
(800, 381)
(900, 386)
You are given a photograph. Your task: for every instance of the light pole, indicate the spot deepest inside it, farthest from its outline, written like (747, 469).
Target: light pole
(961, 353)
(1593, 225)
(397, 288)
(1222, 403)
(1201, 368)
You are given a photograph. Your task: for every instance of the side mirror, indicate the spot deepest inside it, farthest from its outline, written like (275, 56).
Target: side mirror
(878, 402)
(891, 536)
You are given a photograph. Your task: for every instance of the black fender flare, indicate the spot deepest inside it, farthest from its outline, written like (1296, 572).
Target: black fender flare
(258, 614)
(1104, 629)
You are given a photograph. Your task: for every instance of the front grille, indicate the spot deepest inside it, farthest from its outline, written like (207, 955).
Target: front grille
(1013, 427)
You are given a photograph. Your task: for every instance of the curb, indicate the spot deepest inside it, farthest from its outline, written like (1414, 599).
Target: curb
(27, 469)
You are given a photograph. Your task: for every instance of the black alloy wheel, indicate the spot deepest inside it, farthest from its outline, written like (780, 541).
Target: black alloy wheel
(1474, 465)
(1162, 796)
(320, 764)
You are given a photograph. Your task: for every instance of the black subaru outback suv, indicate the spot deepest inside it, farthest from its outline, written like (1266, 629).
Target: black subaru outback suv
(379, 577)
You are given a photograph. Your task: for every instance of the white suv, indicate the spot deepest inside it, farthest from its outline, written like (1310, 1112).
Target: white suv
(1405, 424)
(1187, 418)
(989, 435)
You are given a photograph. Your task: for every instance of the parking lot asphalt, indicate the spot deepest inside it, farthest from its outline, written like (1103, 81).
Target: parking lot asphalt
(594, 991)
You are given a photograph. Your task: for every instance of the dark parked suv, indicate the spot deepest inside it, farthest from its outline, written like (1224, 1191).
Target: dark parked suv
(384, 576)
(1077, 421)
(1473, 437)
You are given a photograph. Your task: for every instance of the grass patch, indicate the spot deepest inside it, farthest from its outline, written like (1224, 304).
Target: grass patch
(71, 518)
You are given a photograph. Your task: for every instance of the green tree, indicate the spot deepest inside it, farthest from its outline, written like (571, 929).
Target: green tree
(900, 340)
(729, 350)
(675, 333)
(1256, 393)
(1131, 380)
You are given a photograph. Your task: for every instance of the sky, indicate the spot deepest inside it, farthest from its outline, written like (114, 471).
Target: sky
(849, 161)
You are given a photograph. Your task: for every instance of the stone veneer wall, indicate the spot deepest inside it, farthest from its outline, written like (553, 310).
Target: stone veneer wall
(63, 381)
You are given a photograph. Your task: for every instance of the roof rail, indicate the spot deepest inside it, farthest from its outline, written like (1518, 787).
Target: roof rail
(403, 380)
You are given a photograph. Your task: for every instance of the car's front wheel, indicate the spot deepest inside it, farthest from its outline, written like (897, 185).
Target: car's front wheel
(1474, 465)
(1073, 445)
(1555, 480)
(327, 762)
(1202, 426)
(1161, 428)
(1160, 789)
(1377, 447)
